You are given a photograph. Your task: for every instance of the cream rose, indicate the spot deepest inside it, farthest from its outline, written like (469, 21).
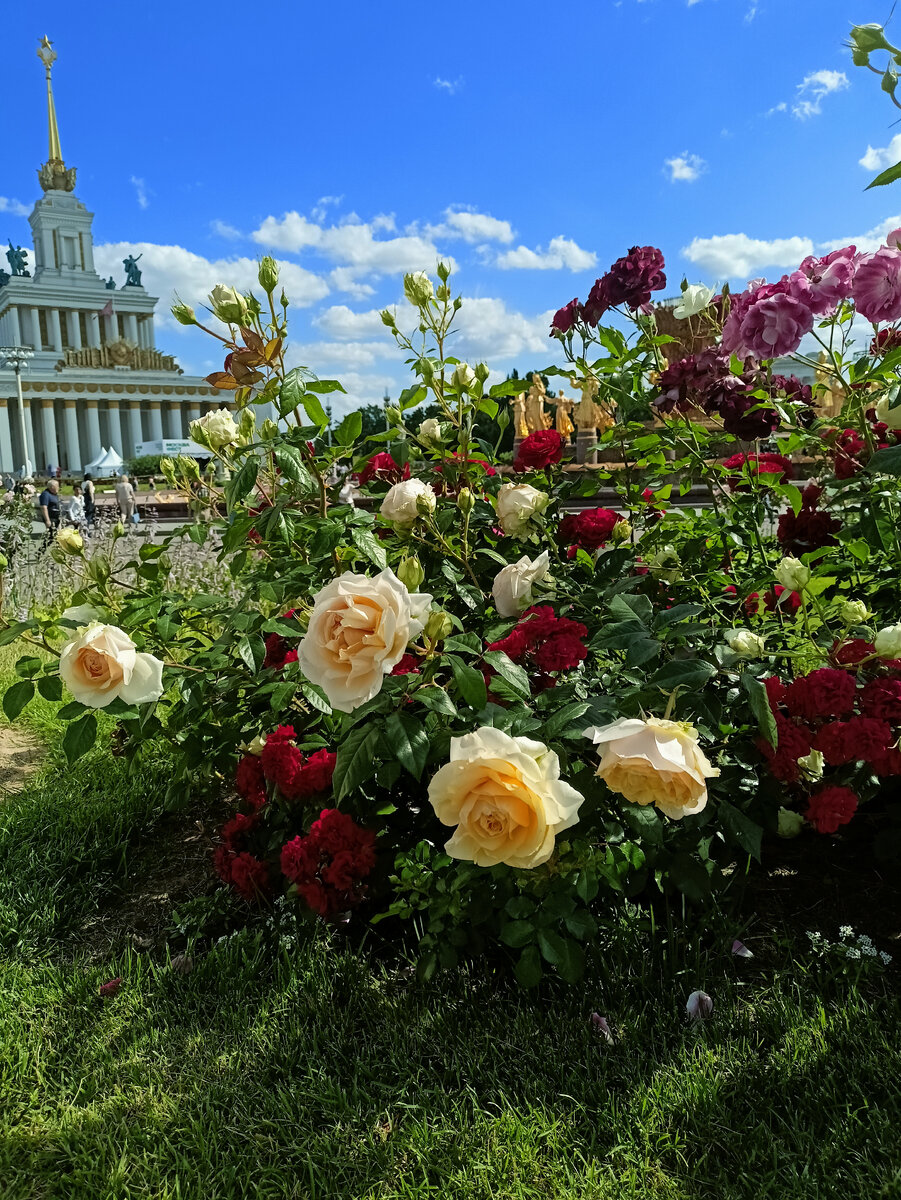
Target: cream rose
(654, 762)
(793, 575)
(430, 431)
(887, 642)
(506, 798)
(214, 429)
(407, 500)
(744, 643)
(70, 541)
(101, 665)
(228, 304)
(512, 588)
(517, 503)
(886, 414)
(695, 298)
(358, 632)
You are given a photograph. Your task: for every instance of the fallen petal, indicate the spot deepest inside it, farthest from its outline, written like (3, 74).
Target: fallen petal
(740, 950)
(599, 1024)
(699, 1006)
(110, 987)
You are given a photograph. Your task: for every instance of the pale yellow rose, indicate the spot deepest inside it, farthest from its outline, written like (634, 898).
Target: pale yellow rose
(512, 587)
(654, 762)
(358, 632)
(517, 503)
(70, 541)
(101, 664)
(407, 500)
(215, 429)
(506, 798)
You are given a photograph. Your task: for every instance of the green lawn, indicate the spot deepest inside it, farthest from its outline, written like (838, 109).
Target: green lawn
(313, 1072)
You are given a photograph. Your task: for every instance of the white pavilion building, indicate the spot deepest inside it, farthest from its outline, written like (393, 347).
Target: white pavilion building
(95, 379)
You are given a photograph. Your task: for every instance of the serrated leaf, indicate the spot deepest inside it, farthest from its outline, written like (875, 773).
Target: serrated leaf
(470, 682)
(291, 392)
(369, 545)
(16, 697)
(408, 742)
(682, 673)
(80, 737)
(514, 674)
(437, 699)
(252, 651)
(552, 946)
(349, 429)
(289, 462)
(355, 761)
(760, 707)
(315, 699)
(889, 176)
(242, 482)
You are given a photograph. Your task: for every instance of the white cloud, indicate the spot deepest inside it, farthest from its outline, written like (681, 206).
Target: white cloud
(341, 322)
(877, 159)
(451, 86)
(172, 269)
(869, 241)
(140, 191)
(15, 207)
(751, 12)
(344, 279)
(351, 244)
(685, 168)
(777, 108)
(224, 230)
(561, 254)
(813, 88)
(471, 226)
(735, 255)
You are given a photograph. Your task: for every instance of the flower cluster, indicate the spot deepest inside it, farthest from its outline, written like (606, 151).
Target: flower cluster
(328, 865)
(295, 775)
(545, 641)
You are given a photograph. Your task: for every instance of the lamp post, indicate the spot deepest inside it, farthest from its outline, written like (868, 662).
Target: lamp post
(17, 357)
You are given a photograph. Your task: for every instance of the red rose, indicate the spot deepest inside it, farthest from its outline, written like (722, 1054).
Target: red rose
(775, 691)
(539, 449)
(560, 653)
(590, 529)
(382, 466)
(565, 318)
(408, 665)
(774, 465)
(773, 599)
(831, 807)
(861, 739)
(888, 763)
(823, 693)
(250, 783)
(250, 876)
(852, 652)
(794, 743)
(882, 698)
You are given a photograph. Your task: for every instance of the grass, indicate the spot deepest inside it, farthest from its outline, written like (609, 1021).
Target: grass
(307, 1070)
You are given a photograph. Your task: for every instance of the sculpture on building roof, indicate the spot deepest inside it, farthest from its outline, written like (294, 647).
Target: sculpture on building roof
(18, 260)
(132, 273)
(110, 284)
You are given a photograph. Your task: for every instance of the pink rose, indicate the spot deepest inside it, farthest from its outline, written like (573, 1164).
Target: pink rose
(821, 283)
(877, 286)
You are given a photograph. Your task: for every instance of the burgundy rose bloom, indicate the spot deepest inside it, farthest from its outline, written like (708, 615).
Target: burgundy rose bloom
(882, 698)
(849, 447)
(544, 641)
(775, 691)
(850, 653)
(560, 653)
(777, 597)
(328, 866)
(539, 449)
(408, 665)
(760, 464)
(861, 739)
(794, 743)
(629, 281)
(808, 529)
(566, 317)
(250, 783)
(250, 876)
(383, 467)
(887, 764)
(823, 693)
(590, 529)
(830, 808)
(688, 383)
(885, 341)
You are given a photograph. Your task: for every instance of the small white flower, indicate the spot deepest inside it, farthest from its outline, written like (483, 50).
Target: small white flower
(887, 642)
(853, 612)
(744, 643)
(792, 574)
(695, 298)
(418, 288)
(699, 1006)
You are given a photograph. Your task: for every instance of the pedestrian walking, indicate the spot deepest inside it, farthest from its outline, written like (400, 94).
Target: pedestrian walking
(48, 503)
(125, 498)
(77, 507)
(89, 509)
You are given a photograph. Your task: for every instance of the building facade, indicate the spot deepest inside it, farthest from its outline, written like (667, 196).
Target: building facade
(95, 378)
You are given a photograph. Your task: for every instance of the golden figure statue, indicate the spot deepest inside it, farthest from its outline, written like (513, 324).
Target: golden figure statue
(831, 398)
(536, 417)
(563, 406)
(520, 428)
(589, 414)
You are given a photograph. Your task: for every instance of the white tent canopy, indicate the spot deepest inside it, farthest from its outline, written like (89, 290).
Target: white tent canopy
(108, 462)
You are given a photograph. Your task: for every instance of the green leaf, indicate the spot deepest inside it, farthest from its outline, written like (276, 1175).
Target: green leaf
(682, 673)
(51, 688)
(586, 885)
(679, 612)
(887, 461)
(528, 969)
(315, 698)
(7, 636)
(565, 721)
(369, 545)
(517, 934)
(349, 429)
(519, 907)
(291, 392)
(408, 742)
(511, 671)
(642, 651)
(470, 682)
(355, 760)
(70, 711)
(626, 608)
(80, 737)
(581, 924)
(747, 833)
(571, 966)
(437, 699)
(16, 697)
(690, 877)
(242, 482)
(323, 387)
(760, 707)
(252, 651)
(885, 177)
(552, 946)
(289, 461)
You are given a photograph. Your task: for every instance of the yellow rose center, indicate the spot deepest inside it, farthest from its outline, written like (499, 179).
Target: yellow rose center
(94, 665)
(353, 628)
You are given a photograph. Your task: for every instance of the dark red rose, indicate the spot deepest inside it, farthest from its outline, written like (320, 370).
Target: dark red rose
(775, 691)
(806, 530)
(250, 782)
(688, 383)
(408, 665)
(882, 698)
(250, 876)
(887, 764)
(566, 317)
(539, 449)
(852, 652)
(744, 415)
(632, 278)
(794, 743)
(236, 830)
(329, 864)
(885, 341)
(830, 808)
(590, 529)
(823, 693)
(776, 466)
(383, 467)
(861, 739)
(560, 653)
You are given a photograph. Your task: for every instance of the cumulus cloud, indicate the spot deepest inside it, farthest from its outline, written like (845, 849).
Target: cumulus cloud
(685, 167)
(734, 255)
(15, 207)
(224, 230)
(813, 88)
(471, 226)
(562, 254)
(869, 241)
(342, 323)
(140, 191)
(877, 159)
(173, 269)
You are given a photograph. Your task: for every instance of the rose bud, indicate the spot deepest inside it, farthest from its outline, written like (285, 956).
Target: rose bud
(268, 274)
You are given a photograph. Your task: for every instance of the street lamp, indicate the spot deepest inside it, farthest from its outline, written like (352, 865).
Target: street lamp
(17, 357)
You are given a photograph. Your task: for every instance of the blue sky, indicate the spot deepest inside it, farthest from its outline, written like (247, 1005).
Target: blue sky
(533, 143)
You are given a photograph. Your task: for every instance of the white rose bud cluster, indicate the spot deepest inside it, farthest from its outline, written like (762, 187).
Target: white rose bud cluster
(517, 503)
(512, 588)
(744, 643)
(407, 500)
(215, 429)
(793, 575)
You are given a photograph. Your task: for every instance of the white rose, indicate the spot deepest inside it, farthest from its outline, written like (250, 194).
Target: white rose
(695, 298)
(358, 632)
(889, 416)
(101, 664)
(789, 823)
(887, 642)
(407, 500)
(215, 429)
(812, 765)
(430, 431)
(792, 574)
(654, 762)
(228, 305)
(512, 587)
(81, 614)
(744, 643)
(463, 377)
(853, 612)
(506, 798)
(516, 504)
(418, 288)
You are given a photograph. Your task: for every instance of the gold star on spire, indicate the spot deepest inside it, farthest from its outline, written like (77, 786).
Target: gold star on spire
(53, 175)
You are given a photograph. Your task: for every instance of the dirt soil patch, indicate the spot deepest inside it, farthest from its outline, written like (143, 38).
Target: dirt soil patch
(20, 756)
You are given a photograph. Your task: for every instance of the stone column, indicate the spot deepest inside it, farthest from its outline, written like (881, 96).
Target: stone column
(114, 422)
(586, 438)
(36, 329)
(112, 332)
(147, 327)
(56, 336)
(156, 421)
(48, 428)
(29, 434)
(131, 327)
(71, 446)
(15, 331)
(6, 445)
(194, 413)
(133, 431)
(94, 330)
(92, 429)
(173, 423)
(74, 328)
(49, 256)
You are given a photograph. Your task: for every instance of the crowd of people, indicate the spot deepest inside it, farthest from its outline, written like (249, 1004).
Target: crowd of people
(78, 511)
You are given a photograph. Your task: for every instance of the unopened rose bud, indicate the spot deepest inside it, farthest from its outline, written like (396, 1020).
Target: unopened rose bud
(392, 415)
(463, 377)
(183, 313)
(793, 575)
(268, 274)
(869, 38)
(118, 530)
(411, 574)
(430, 431)
(789, 823)
(621, 531)
(744, 643)
(426, 370)
(228, 305)
(699, 1006)
(853, 612)
(418, 288)
(443, 272)
(465, 501)
(425, 503)
(438, 626)
(98, 569)
(482, 372)
(70, 541)
(388, 318)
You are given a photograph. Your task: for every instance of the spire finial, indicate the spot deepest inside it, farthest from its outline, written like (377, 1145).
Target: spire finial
(53, 175)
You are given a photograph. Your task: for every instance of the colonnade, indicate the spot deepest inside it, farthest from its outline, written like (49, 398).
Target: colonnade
(20, 325)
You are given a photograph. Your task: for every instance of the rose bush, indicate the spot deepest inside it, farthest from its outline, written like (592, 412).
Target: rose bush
(396, 694)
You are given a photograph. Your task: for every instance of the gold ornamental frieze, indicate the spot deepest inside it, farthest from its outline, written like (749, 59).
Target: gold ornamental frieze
(119, 354)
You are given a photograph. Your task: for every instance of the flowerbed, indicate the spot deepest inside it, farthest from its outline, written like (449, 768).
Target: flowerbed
(481, 704)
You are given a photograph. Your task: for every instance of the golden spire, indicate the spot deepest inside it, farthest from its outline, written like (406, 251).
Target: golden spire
(53, 175)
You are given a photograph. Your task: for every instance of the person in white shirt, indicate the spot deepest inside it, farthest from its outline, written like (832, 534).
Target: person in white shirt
(76, 507)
